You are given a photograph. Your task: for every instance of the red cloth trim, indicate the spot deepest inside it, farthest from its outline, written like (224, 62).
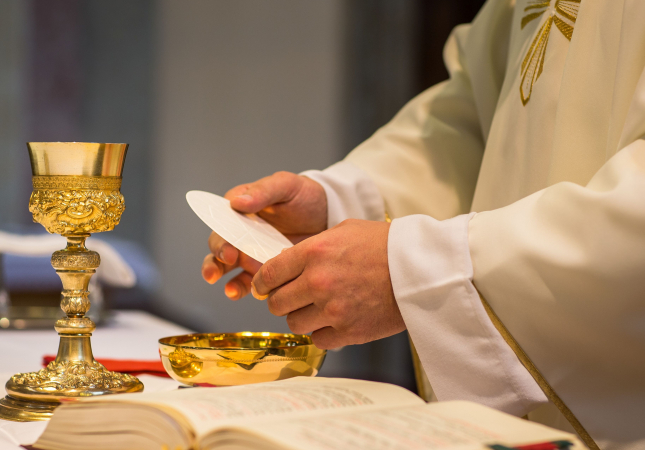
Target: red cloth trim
(132, 367)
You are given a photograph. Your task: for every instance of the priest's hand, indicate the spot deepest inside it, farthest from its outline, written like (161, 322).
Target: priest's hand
(336, 285)
(295, 205)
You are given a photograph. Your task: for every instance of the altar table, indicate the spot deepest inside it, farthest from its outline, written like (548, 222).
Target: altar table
(129, 335)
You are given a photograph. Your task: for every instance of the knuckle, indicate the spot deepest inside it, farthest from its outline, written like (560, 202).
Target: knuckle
(274, 305)
(318, 248)
(349, 222)
(267, 272)
(335, 310)
(319, 281)
(295, 325)
(283, 175)
(236, 190)
(319, 340)
(323, 339)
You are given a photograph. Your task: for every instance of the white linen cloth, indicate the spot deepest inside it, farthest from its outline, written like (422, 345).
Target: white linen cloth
(113, 271)
(540, 130)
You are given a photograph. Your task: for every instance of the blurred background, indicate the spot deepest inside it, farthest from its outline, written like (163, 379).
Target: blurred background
(209, 94)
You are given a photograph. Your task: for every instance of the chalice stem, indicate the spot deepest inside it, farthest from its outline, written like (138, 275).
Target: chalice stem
(75, 266)
(75, 348)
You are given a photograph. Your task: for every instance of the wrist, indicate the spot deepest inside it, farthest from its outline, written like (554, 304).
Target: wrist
(349, 192)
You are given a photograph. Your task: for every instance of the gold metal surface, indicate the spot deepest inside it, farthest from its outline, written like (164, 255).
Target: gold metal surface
(76, 192)
(229, 359)
(87, 159)
(76, 186)
(18, 410)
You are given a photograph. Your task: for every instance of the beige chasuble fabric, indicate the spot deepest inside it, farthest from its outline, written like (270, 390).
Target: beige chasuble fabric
(541, 131)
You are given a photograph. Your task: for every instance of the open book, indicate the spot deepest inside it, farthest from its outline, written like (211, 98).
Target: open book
(299, 413)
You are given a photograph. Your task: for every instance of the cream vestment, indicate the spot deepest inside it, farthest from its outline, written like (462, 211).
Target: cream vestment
(540, 130)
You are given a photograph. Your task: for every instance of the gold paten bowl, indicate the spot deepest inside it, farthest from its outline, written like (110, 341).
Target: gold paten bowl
(229, 359)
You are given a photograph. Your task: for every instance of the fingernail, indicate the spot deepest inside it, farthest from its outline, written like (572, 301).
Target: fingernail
(231, 291)
(245, 197)
(220, 254)
(256, 295)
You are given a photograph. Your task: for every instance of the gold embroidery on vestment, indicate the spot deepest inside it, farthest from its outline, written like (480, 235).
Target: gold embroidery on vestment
(564, 15)
(533, 4)
(564, 27)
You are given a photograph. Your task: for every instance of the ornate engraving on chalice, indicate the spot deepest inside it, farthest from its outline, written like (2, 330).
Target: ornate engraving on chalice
(76, 192)
(94, 205)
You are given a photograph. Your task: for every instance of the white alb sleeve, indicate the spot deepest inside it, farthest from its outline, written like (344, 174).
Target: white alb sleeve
(462, 352)
(351, 194)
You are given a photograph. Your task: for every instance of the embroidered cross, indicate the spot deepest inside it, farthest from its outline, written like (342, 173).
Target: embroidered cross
(563, 14)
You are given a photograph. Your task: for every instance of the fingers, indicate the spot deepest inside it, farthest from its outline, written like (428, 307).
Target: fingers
(278, 271)
(238, 286)
(212, 269)
(290, 297)
(327, 338)
(307, 319)
(237, 190)
(249, 264)
(255, 294)
(253, 197)
(222, 250)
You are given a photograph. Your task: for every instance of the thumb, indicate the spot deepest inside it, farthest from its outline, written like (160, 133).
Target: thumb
(277, 188)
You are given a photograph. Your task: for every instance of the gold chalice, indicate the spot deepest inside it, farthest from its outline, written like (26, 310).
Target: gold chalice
(76, 192)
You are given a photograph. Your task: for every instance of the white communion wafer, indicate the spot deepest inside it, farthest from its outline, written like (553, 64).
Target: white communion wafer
(246, 232)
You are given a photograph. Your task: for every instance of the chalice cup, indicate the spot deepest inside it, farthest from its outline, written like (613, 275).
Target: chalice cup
(76, 192)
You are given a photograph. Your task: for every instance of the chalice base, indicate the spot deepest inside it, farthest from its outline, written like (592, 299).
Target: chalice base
(18, 410)
(74, 375)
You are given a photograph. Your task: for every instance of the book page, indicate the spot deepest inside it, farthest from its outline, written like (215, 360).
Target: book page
(207, 409)
(446, 425)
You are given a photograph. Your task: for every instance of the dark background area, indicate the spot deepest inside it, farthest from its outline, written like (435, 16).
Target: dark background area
(394, 50)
